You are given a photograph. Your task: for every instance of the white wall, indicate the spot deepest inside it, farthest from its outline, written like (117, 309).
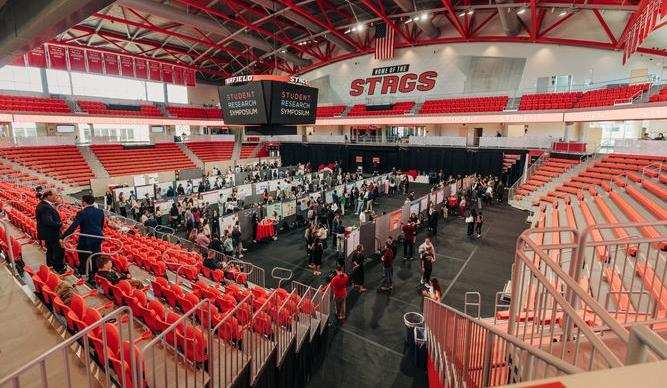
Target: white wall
(584, 64)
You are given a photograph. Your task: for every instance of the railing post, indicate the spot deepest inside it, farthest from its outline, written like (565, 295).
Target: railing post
(486, 360)
(466, 349)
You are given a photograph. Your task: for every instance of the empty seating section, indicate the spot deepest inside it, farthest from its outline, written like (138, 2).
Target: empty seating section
(195, 112)
(509, 160)
(254, 150)
(464, 105)
(610, 96)
(399, 108)
(544, 101)
(64, 163)
(550, 169)
(33, 104)
(660, 96)
(101, 108)
(330, 111)
(120, 160)
(209, 151)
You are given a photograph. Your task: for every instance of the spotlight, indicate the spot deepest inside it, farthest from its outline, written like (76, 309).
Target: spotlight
(471, 12)
(360, 27)
(521, 11)
(462, 14)
(562, 13)
(424, 16)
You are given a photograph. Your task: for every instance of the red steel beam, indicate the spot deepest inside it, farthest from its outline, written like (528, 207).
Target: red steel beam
(558, 23)
(379, 11)
(605, 27)
(534, 19)
(454, 17)
(243, 23)
(311, 18)
(484, 22)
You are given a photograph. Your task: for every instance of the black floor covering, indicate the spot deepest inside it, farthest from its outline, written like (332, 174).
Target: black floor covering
(367, 350)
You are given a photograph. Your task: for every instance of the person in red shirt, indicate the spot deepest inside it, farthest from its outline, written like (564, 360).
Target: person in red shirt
(339, 285)
(388, 264)
(408, 240)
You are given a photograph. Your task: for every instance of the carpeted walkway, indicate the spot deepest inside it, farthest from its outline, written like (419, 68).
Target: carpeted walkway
(367, 350)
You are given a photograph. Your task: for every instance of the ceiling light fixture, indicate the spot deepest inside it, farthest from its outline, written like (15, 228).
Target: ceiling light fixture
(360, 27)
(521, 11)
(424, 16)
(562, 13)
(471, 12)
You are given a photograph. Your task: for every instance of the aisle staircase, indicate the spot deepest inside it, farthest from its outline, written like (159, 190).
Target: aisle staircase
(191, 155)
(93, 162)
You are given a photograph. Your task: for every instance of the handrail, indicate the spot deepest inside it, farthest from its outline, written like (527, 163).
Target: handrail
(65, 348)
(641, 338)
(430, 304)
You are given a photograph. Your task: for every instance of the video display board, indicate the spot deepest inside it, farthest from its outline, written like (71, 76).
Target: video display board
(292, 104)
(244, 103)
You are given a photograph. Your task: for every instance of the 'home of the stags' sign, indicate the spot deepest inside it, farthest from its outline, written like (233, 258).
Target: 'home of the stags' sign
(389, 80)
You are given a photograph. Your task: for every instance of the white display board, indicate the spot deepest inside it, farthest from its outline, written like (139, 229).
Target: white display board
(260, 187)
(421, 179)
(139, 180)
(414, 208)
(440, 196)
(352, 241)
(424, 203)
(225, 193)
(289, 208)
(143, 190)
(227, 223)
(244, 191)
(164, 206)
(153, 178)
(211, 196)
(328, 196)
(276, 184)
(127, 192)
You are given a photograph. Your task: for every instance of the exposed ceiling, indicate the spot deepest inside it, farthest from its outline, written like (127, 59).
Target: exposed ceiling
(221, 38)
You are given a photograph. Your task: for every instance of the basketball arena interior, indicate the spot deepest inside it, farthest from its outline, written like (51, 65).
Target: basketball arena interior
(333, 193)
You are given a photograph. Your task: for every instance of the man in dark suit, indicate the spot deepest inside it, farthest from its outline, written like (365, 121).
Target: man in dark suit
(90, 221)
(48, 230)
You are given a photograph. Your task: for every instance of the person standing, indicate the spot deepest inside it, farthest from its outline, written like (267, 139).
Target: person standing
(470, 222)
(388, 265)
(90, 221)
(479, 221)
(48, 230)
(433, 222)
(316, 252)
(358, 274)
(408, 240)
(339, 285)
(427, 258)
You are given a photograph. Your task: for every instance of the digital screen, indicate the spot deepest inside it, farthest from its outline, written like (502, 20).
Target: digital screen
(244, 104)
(292, 104)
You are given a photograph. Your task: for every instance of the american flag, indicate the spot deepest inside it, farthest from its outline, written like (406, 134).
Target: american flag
(384, 41)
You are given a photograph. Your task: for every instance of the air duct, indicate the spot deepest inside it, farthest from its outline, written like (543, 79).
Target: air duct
(206, 24)
(509, 19)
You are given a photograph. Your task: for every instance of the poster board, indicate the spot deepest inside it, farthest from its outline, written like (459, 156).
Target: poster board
(127, 192)
(139, 180)
(274, 210)
(328, 197)
(225, 194)
(164, 207)
(440, 196)
(260, 187)
(275, 184)
(424, 203)
(351, 242)
(414, 207)
(227, 223)
(146, 189)
(395, 218)
(211, 196)
(244, 191)
(289, 208)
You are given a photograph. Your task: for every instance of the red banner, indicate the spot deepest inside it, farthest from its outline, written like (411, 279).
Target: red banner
(189, 77)
(154, 71)
(37, 57)
(57, 58)
(178, 75)
(126, 66)
(111, 64)
(140, 68)
(94, 60)
(77, 59)
(167, 73)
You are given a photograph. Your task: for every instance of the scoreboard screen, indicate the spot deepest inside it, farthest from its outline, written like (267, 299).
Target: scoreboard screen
(292, 104)
(268, 100)
(244, 104)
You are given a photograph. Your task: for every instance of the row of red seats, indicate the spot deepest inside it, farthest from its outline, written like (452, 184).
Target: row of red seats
(209, 151)
(543, 101)
(195, 112)
(462, 105)
(62, 162)
(119, 160)
(33, 104)
(399, 108)
(610, 96)
(330, 111)
(660, 96)
(96, 107)
(550, 169)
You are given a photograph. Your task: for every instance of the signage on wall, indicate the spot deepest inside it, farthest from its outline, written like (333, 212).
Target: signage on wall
(390, 80)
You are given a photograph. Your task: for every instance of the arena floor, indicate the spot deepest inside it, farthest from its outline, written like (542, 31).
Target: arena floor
(367, 350)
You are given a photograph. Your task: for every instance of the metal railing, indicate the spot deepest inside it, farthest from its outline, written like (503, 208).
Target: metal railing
(80, 343)
(467, 351)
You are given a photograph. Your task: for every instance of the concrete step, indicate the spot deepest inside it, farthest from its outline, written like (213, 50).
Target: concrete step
(191, 155)
(647, 215)
(93, 162)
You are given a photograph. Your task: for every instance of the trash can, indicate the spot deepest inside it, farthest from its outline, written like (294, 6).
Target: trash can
(420, 347)
(411, 321)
